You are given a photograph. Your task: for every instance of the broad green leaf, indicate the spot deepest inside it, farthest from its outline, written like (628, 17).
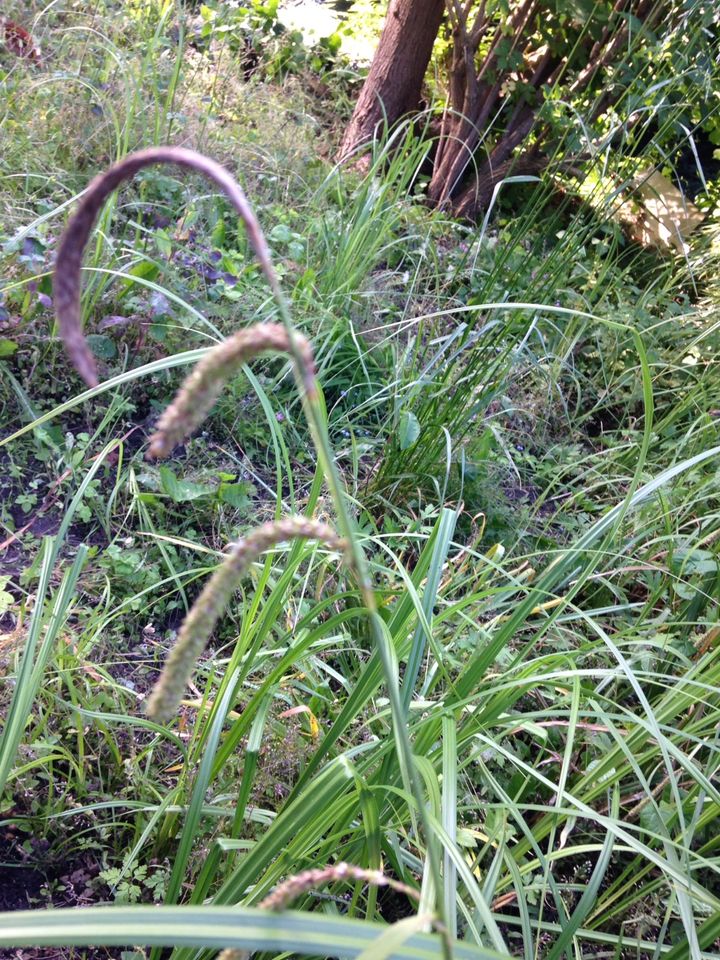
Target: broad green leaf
(302, 934)
(102, 346)
(182, 491)
(409, 429)
(235, 494)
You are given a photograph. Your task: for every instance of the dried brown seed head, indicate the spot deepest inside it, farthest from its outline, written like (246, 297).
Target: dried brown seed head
(68, 262)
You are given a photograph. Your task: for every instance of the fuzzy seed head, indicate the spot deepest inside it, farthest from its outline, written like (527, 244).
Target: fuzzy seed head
(215, 597)
(287, 891)
(66, 279)
(203, 386)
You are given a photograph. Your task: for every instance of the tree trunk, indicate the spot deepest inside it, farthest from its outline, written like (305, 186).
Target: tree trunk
(504, 59)
(394, 83)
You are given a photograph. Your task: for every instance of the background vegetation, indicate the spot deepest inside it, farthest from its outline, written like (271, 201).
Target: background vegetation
(524, 411)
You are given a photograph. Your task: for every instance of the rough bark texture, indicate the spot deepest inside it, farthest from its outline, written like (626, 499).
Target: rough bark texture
(394, 83)
(466, 171)
(488, 133)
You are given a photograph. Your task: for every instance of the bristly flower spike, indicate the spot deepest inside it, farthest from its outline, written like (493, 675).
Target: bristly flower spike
(67, 304)
(290, 889)
(214, 598)
(66, 281)
(203, 386)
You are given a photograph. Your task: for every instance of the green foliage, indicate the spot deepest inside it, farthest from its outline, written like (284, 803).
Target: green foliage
(133, 886)
(535, 486)
(572, 91)
(256, 35)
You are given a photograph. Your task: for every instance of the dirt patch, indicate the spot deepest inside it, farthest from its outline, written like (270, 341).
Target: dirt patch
(30, 879)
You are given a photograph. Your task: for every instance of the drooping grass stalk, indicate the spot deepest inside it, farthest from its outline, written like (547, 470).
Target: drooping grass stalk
(214, 599)
(66, 279)
(67, 305)
(203, 386)
(284, 894)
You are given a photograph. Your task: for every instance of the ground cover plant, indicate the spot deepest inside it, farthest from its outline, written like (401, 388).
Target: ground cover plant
(464, 698)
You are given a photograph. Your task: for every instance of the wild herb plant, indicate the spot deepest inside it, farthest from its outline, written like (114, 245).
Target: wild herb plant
(191, 405)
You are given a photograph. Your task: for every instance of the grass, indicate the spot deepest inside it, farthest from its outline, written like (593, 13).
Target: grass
(524, 428)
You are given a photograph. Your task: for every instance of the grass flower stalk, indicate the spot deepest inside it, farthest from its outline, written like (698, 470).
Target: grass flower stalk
(203, 386)
(292, 888)
(67, 306)
(214, 599)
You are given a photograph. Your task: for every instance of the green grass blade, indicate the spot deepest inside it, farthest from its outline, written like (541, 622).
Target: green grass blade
(589, 894)
(445, 528)
(217, 927)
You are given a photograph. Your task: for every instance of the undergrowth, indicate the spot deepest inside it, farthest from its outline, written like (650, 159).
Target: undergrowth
(524, 416)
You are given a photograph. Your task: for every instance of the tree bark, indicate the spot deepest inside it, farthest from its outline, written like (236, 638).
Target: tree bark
(394, 84)
(488, 132)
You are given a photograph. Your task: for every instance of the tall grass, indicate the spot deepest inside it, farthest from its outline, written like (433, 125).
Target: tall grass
(558, 688)
(577, 691)
(566, 249)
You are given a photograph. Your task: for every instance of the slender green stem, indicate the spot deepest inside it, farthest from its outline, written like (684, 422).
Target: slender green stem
(314, 415)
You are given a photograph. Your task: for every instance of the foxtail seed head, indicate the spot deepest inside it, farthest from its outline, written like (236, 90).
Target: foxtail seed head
(66, 279)
(214, 598)
(203, 386)
(290, 889)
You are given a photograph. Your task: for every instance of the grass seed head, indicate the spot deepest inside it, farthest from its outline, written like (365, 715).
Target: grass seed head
(292, 888)
(201, 389)
(215, 597)
(66, 278)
